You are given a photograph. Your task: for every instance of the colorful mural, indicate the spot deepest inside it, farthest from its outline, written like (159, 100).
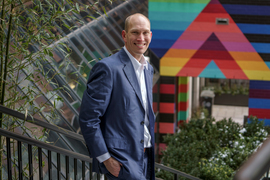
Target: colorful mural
(259, 100)
(169, 19)
(183, 100)
(208, 49)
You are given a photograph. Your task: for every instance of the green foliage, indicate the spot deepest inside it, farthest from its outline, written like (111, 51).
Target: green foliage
(29, 43)
(210, 150)
(226, 89)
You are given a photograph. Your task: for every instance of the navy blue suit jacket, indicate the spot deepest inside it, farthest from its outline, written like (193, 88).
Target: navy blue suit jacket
(112, 112)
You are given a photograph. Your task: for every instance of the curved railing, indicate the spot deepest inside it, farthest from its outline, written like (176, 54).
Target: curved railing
(85, 161)
(257, 165)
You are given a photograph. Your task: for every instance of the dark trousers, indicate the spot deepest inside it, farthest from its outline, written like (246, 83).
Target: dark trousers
(146, 167)
(146, 164)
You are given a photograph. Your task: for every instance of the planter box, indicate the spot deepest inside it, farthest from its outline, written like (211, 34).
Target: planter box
(231, 100)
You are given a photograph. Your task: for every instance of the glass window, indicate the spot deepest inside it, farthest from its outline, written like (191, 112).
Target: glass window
(93, 39)
(140, 7)
(122, 11)
(102, 36)
(130, 9)
(91, 48)
(116, 22)
(106, 27)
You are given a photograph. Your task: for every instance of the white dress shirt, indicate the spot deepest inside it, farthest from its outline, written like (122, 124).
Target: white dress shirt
(139, 70)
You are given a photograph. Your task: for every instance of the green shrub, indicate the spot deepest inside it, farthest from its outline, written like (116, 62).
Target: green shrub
(211, 150)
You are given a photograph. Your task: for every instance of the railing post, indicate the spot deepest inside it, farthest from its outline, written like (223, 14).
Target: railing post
(90, 171)
(75, 169)
(67, 168)
(40, 163)
(58, 167)
(30, 162)
(175, 177)
(50, 164)
(8, 158)
(19, 148)
(83, 170)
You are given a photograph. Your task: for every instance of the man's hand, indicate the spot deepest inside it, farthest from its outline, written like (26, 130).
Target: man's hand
(113, 166)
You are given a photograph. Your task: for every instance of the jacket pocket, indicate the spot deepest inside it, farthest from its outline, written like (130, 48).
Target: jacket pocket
(116, 143)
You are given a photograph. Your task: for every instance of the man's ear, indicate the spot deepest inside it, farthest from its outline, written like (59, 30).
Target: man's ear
(124, 35)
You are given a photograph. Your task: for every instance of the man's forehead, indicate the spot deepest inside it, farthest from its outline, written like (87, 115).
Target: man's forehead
(140, 25)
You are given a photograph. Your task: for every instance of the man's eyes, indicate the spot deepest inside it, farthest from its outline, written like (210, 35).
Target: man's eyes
(144, 33)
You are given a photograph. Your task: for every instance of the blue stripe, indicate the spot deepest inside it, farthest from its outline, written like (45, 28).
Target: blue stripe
(161, 43)
(159, 52)
(261, 47)
(259, 103)
(263, 85)
(167, 25)
(266, 121)
(254, 28)
(172, 16)
(166, 34)
(247, 9)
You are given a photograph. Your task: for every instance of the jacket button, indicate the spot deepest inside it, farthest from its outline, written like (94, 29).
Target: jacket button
(142, 141)
(142, 122)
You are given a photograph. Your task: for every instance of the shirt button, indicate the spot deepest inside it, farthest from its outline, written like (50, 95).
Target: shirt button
(142, 141)
(142, 122)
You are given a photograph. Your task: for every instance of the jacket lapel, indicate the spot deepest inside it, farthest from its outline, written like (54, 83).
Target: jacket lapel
(149, 84)
(130, 74)
(148, 81)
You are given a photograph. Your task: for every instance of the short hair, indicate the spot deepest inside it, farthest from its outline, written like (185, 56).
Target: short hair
(127, 21)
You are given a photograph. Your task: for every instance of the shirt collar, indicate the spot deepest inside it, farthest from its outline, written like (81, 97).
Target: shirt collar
(135, 62)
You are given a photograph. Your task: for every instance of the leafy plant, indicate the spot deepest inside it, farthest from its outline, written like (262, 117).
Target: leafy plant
(226, 89)
(28, 70)
(210, 150)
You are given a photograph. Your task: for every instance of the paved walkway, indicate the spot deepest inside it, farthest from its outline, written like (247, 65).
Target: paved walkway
(237, 113)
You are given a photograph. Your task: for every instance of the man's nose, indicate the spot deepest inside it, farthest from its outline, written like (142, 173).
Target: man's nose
(140, 37)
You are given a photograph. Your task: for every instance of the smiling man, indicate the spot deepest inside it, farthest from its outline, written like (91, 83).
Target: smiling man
(116, 117)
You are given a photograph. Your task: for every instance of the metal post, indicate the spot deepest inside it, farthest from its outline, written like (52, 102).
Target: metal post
(30, 162)
(90, 171)
(67, 168)
(40, 163)
(8, 158)
(50, 164)
(58, 167)
(75, 169)
(83, 170)
(19, 144)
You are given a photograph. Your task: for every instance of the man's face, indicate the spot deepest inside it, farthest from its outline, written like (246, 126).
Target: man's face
(138, 37)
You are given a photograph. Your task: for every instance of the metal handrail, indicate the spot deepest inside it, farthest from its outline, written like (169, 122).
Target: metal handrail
(257, 165)
(68, 133)
(175, 172)
(41, 123)
(43, 145)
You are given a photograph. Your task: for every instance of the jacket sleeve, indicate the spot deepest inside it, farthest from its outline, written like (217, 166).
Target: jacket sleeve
(94, 104)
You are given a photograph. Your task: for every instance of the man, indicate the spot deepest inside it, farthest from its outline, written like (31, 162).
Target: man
(116, 116)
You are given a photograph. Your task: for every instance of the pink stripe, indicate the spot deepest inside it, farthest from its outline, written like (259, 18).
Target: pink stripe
(187, 44)
(231, 37)
(238, 46)
(195, 35)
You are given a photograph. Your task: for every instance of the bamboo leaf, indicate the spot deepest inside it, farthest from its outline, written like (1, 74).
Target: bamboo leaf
(105, 11)
(77, 7)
